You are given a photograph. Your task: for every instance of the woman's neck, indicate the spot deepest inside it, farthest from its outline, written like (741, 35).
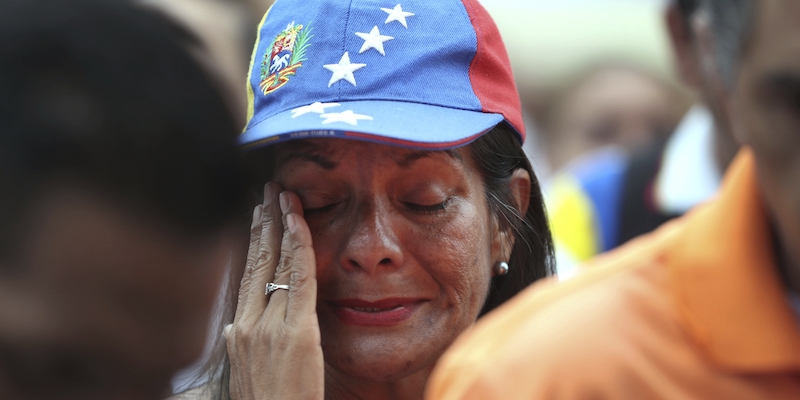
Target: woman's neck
(339, 386)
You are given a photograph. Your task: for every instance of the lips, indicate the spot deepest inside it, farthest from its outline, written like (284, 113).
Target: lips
(384, 312)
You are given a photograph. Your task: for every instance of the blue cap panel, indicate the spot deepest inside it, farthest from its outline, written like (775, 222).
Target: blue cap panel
(321, 31)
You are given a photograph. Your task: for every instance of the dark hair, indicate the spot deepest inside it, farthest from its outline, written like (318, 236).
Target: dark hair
(107, 94)
(498, 155)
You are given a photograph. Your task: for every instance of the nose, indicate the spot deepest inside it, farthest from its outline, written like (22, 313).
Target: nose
(373, 242)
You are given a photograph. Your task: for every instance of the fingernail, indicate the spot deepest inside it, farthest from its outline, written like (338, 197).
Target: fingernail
(227, 330)
(267, 193)
(290, 222)
(256, 216)
(284, 199)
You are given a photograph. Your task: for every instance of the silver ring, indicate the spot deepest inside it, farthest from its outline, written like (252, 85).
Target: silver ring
(271, 287)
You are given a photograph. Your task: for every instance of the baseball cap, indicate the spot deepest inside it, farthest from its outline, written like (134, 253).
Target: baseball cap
(420, 74)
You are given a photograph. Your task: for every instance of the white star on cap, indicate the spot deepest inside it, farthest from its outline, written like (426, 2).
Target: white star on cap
(317, 107)
(348, 117)
(373, 40)
(343, 70)
(397, 14)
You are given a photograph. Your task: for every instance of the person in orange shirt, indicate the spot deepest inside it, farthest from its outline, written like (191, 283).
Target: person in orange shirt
(705, 307)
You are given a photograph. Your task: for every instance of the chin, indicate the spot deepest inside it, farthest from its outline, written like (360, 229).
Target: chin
(374, 370)
(376, 360)
(382, 374)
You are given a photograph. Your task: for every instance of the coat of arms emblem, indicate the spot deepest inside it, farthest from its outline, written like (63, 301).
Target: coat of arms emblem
(284, 57)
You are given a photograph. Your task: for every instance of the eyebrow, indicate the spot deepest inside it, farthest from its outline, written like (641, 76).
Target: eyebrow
(329, 165)
(410, 158)
(318, 159)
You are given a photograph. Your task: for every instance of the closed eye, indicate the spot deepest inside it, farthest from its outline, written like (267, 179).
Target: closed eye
(431, 208)
(319, 210)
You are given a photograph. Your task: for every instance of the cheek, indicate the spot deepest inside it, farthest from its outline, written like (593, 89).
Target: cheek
(451, 257)
(764, 118)
(328, 241)
(774, 139)
(773, 136)
(458, 257)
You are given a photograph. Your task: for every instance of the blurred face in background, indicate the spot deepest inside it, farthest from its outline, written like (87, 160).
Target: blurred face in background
(102, 302)
(610, 106)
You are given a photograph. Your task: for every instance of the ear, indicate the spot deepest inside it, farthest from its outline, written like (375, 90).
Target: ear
(718, 93)
(683, 47)
(521, 190)
(504, 239)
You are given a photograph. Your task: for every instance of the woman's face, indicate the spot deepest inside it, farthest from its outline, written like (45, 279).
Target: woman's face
(404, 244)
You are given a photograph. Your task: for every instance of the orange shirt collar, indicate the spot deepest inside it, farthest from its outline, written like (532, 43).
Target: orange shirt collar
(726, 283)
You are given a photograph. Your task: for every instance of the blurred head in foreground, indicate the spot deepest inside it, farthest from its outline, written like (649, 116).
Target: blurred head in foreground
(747, 64)
(118, 183)
(757, 53)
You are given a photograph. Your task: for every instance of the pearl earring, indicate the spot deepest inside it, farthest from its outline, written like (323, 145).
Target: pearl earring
(501, 268)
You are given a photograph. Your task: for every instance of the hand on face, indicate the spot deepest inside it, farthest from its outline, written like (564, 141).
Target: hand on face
(274, 342)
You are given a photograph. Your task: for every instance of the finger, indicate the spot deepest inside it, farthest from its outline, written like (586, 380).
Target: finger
(297, 264)
(278, 299)
(303, 274)
(267, 253)
(252, 256)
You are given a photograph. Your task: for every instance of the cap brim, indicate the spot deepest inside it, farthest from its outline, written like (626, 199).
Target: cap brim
(412, 125)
